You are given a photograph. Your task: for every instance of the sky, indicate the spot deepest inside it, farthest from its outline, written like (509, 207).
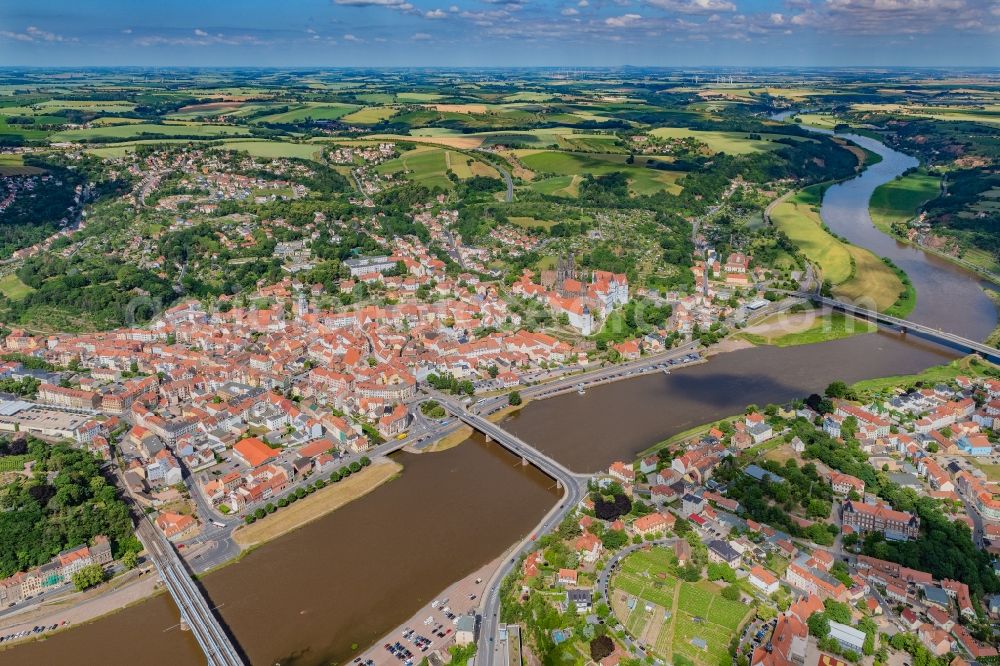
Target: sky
(470, 33)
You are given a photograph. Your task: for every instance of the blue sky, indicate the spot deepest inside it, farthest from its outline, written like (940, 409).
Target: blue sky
(744, 33)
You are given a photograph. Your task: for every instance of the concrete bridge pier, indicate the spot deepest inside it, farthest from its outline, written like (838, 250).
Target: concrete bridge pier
(558, 484)
(184, 625)
(524, 461)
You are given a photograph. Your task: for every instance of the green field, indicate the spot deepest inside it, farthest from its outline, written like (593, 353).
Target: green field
(733, 143)
(901, 199)
(13, 165)
(418, 97)
(680, 612)
(798, 216)
(531, 222)
(12, 287)
(312, 110)
(370, 115)
(425, 165)
(275, 149)
(856, 273)
(832, 326)
(642, 180)
(559, 186)
(138, 130)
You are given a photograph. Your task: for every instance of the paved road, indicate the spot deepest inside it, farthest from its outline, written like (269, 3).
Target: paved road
(573, 485)
(506, 176)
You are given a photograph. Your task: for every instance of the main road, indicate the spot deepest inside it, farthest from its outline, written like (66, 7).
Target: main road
(573, 485)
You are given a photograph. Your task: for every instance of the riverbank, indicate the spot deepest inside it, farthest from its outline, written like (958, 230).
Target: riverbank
(316, 505)
(458, 602)
(804, 328)
(854, 273)
(970, 366)
(82, 608)
(451, 440)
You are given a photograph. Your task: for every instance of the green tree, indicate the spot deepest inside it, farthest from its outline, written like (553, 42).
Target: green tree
(819, 625)
(514, 398)
(88, 576)
(130, 560)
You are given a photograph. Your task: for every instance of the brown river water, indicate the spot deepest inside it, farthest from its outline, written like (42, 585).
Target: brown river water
(344, 579)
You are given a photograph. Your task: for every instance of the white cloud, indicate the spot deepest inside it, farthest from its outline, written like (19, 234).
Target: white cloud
(583, 3)
(352, 38)
(421, 37)
(694, 6)
(435, 14)
(570, 11)
(777, 19)
(200, 33)
(623, 21)
(35, 34)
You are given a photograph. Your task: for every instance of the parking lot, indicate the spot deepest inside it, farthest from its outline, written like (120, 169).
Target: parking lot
(432, 627)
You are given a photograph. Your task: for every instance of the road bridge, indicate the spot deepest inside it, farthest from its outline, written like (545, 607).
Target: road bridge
(935, 335)
(573, 485)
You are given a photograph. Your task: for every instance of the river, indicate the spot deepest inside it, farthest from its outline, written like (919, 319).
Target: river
(346, 578)
(354, 574)
(616, 421)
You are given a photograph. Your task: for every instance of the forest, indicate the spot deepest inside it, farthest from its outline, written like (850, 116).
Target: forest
(65, 503)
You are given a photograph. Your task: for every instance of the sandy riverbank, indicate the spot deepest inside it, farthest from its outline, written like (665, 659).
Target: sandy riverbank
(316, 505)
(450, 440)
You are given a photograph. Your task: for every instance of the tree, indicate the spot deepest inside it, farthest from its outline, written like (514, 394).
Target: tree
(88, 576)
(514, 398)
(819, 625)
(601, 647)
(355, 467)
(837, 611)
(130, 560)
(365, 461)
(837, 389)
(614, 539)
(731, 592)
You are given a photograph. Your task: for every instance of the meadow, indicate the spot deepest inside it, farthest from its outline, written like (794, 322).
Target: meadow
(311, 110)
(901, 199)
(856, 274)
(733, 143)
(138, 130)
(642, 180)
(429, 166)
(370, 115)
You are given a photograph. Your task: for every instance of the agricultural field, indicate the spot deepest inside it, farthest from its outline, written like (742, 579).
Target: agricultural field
(313, 111)
(429, 166)
(139, 130)
(668, 614)
(855, 273)
(275, 149)
(642, 180)
(13, 165)
(732, 143)
(370, 115)
(900, 200)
